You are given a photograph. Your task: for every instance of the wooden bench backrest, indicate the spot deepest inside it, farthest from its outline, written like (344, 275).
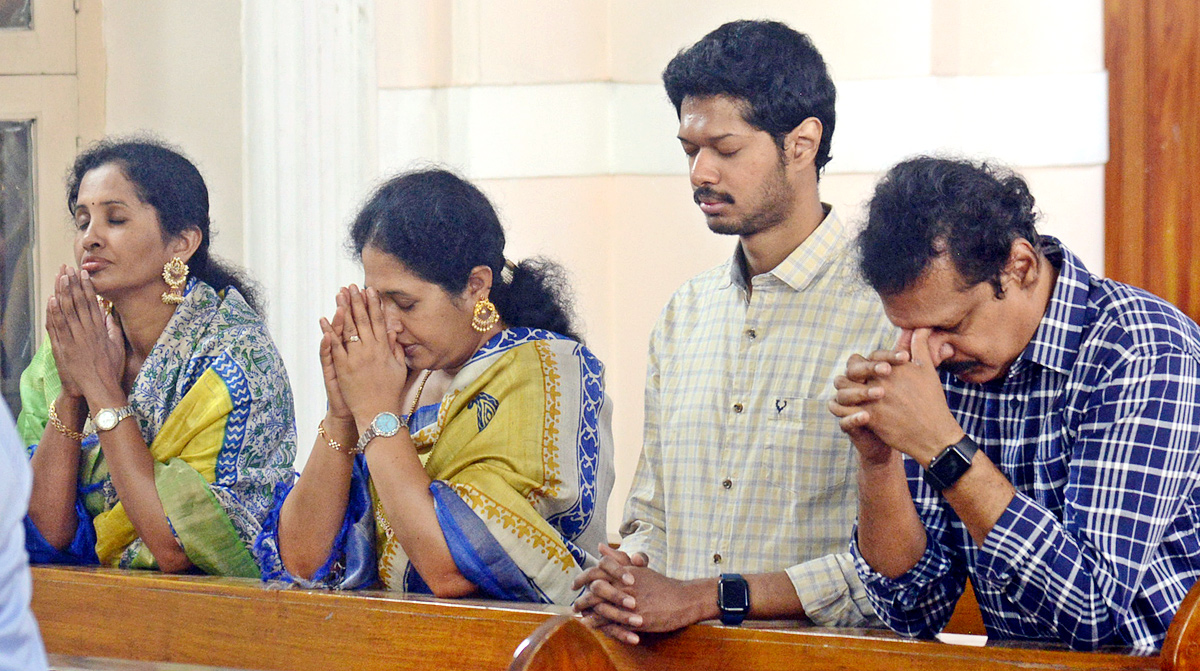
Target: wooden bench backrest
(561, 643)
(240, 623)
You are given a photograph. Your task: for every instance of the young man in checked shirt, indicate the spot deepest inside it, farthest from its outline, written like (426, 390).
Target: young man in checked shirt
(744, 498)
(1036, 430)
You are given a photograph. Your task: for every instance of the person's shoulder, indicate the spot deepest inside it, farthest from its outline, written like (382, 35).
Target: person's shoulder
(1138, 321)
(701, 288)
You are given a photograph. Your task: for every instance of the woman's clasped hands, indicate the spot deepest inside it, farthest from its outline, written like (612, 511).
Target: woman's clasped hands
(88, 344)
(363, 365)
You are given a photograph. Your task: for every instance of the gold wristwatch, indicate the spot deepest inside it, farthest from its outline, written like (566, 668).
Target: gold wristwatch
(106, 419)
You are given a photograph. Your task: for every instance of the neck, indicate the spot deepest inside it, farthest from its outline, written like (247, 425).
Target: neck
(483, 338)
(1047, 280)
(143, 318)
(768, 248)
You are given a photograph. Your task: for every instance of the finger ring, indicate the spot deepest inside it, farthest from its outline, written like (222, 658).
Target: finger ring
(354, 338)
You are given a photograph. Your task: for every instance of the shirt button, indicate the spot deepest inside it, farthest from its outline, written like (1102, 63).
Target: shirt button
(737, 407)
(727, 483)
(717, 558)
(751, 334)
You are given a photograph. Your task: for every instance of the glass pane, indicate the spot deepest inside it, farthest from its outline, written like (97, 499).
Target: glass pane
(16, 14)
(16, 256)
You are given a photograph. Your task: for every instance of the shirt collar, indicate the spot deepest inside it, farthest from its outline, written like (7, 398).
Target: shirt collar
(806, 262)
(1055, 345)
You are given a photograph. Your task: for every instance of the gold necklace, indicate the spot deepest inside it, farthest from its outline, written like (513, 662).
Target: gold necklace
(420, 388)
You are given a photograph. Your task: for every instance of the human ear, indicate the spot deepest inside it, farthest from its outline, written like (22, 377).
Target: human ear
(185, 244)
(479, 283)
(1023, 263)
(802, 143)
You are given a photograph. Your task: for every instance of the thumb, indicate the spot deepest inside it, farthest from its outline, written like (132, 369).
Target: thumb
(114, 331)
(920, 348)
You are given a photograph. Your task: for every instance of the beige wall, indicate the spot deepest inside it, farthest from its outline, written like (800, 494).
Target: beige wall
(557, 110)
(174, 68)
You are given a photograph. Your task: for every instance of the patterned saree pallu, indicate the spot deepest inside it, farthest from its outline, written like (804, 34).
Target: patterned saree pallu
(213, 403)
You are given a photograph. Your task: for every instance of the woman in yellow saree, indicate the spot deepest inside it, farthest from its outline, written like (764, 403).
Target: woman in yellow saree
(158, 418)
(467, 447)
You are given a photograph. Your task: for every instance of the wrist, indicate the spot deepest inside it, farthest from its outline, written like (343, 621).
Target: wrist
(107, 397)
(364, 417)
(936, 446)
(704, 597)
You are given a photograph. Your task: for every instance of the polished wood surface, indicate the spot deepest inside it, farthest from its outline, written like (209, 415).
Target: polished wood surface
(561, 643)
(966, 619)
(73, 663)
(1181, 650)
(241, 623)
(1152, 235)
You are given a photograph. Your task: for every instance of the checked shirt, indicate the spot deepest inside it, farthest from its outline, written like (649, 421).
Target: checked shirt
(1097, 426)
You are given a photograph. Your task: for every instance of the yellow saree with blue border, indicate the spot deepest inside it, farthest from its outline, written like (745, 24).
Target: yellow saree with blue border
(520, 453)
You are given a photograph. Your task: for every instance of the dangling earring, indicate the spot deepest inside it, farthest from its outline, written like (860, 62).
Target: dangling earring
(175, 274)
(485, 316)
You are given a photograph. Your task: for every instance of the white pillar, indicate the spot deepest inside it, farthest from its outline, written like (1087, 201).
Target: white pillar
(309, 153)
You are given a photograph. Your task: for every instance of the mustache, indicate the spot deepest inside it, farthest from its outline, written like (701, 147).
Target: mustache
(957, 367)
(710, 194)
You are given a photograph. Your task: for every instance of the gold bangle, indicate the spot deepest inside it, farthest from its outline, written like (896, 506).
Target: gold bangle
(62, 428)
(331, 442)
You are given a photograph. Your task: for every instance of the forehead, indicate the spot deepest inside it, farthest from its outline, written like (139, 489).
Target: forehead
(708, 118)
(939, 298)
(106, 182)
(387, 274)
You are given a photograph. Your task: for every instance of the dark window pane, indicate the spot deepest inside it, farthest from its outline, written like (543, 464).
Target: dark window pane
(16, 14)
(16, 256)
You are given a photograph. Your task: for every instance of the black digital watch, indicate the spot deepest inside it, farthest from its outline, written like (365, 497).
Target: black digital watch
(733, 598)
(947, 467)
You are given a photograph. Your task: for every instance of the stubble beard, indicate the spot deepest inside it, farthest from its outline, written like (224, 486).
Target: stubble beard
(777, 199)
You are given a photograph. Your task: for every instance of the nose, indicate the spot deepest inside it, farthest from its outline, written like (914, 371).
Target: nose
(89, 236)
(703, 169)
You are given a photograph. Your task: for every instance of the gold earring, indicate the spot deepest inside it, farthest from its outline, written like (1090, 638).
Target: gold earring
(175, 274)
(485, 316)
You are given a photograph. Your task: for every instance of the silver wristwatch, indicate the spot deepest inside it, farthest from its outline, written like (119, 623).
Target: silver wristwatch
(106, 419)
(385, 424)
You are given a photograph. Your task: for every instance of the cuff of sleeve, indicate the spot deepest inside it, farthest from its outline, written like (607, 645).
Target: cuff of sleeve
(831, 592)
(638, 537)
(906, 591)
(1021, 529)
(351, 561)
(82, 549)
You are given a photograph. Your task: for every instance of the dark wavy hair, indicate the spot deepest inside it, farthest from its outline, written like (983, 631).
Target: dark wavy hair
(928, 206)
(441, 226)
(167, 181)
(775, 70)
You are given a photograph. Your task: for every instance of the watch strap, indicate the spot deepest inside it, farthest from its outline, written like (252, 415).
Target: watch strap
(371, 433)
(950, 464)
(121, 413)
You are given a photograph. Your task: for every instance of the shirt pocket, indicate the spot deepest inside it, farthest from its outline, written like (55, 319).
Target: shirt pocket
(806, 453)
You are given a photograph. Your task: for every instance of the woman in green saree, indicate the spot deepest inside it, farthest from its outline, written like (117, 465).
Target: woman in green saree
(157, 413)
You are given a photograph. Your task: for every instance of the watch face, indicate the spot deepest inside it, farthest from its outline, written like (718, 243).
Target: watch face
(735, 596)
(106, 419)
(386, 424)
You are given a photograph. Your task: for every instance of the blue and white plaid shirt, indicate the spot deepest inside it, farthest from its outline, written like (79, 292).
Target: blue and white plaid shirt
(1097, 425)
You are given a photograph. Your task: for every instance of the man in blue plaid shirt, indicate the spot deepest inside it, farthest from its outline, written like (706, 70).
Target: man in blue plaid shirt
(1035, 429)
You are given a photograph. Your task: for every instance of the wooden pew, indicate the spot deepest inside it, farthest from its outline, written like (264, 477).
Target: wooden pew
(243, 624)
(562, 643)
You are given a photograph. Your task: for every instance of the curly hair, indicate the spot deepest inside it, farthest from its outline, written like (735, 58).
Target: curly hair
(167, 181)
(776, 71)
(440, 226)
(928, 206)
